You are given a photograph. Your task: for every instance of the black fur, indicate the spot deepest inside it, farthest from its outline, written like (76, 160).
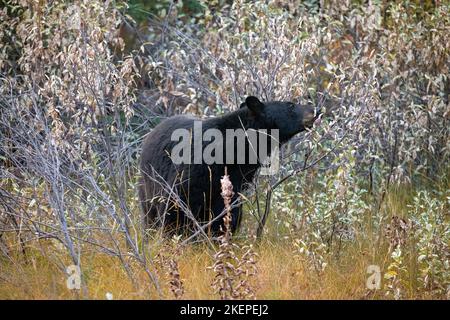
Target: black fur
(198, 185)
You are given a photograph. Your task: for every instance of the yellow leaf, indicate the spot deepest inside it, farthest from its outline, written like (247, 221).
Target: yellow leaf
(390, 274)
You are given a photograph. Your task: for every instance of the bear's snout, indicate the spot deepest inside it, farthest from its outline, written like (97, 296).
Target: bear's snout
(309, 116)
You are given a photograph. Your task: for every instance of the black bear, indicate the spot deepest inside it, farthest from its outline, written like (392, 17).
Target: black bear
(172, 193)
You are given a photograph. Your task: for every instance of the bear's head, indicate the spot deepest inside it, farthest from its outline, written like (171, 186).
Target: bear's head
(289, 118)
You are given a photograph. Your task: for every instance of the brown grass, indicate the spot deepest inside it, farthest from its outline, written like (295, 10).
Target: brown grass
(282, 273)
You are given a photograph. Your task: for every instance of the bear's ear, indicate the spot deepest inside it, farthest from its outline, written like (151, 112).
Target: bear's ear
(254, 104)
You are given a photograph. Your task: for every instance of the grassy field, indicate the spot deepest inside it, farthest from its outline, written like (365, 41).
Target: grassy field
(282, 271)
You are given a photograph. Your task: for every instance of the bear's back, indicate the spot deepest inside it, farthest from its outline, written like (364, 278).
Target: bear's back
(159, 139)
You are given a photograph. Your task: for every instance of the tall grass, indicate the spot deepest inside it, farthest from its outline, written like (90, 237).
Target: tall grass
(282, 270)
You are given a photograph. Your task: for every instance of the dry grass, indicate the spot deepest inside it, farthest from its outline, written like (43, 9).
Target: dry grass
(282, 272)
(280, 276)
